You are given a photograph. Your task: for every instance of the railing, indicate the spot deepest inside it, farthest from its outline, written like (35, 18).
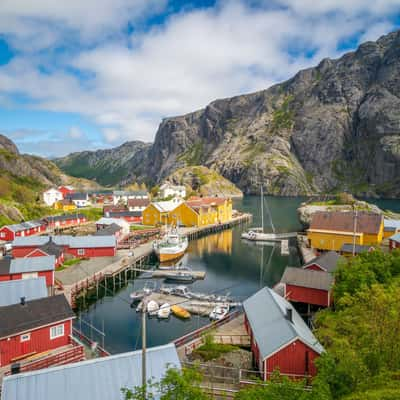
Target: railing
(89, 342)
(74, 354)
(198, 332)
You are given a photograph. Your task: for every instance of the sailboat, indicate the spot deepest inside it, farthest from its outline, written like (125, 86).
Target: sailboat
(258, 234)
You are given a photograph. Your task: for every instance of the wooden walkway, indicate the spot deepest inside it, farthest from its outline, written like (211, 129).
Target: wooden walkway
(88, 274)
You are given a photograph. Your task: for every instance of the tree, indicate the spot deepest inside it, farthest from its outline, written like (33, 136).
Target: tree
(175, 385)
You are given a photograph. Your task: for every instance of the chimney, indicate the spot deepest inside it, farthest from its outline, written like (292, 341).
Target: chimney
(22, 301)
(289, 315)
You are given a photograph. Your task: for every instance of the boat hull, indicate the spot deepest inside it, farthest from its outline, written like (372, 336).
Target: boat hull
(163, 257)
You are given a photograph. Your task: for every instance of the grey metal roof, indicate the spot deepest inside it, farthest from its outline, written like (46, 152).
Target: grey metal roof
(307, 278)
(395, 238)
(30, 241)
(12, 291)
(266, 311)
(79, 242)
(358, 248)
(109, 230)
(24, 226)
(391, 223)
(32, 264)
(63, 217)
(77, 196)
(328, 261)
(65, 240)
(100, 379)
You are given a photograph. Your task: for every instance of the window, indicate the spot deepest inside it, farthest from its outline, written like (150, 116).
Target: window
(26, 337)
(81, 252)
(56, 331)
(2, 234)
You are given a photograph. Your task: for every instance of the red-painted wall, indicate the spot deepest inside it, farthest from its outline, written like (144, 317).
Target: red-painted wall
(39, 342)
(49, 275)
(97, 252)
(292, 359)
(314, 267)
(307, 295)
(393, 245)
(6, 234)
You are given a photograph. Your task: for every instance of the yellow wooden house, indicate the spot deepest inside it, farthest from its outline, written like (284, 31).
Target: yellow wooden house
(195, 212)
(332, 230)
(64, 205)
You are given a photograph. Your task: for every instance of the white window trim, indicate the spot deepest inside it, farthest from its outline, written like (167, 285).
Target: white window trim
(26, 337)
(81, 252)
(57, 335)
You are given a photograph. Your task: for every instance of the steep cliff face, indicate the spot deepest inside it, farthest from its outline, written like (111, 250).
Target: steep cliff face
(120, 165)
(329, 128)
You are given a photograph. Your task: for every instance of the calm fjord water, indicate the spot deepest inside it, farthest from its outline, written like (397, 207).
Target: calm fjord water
(231, 265)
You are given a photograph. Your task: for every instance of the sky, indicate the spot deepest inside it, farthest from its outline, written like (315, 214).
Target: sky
(80, 75)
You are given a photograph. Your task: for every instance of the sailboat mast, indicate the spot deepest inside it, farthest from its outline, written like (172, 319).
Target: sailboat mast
(262, 209)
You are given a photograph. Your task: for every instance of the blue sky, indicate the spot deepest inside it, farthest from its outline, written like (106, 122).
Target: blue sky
(81, 75)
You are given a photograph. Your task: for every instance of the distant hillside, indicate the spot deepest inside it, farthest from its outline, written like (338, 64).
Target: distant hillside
(120, 166)
(23, 178)
(330, 128)
(200, 180)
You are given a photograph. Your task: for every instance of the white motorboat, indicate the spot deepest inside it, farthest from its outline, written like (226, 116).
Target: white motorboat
(219, 312)
(152, 307)
(171, 246)
(138, 295)
(164, 311)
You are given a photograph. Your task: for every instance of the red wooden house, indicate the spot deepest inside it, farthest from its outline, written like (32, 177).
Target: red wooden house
(10, 232)
(307, 286)
(128, 216)
(325, 262)
(23, 268)
(78, 246)
(59, 221)
(35, 327)
(280, 339)
(394, 242)
(65, 190)
(49, 249)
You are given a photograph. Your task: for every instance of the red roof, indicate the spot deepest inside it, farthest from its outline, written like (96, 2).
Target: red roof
(205, 201)
(344, 221)
(138, 202)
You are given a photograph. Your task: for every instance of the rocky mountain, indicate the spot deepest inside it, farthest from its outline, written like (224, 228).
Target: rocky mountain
(202, 181)
(23, 177)
(329, 128)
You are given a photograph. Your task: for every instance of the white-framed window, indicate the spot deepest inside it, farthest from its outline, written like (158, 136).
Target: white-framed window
(2, 234)
(25, 337)
(81, 252)
(56, 331)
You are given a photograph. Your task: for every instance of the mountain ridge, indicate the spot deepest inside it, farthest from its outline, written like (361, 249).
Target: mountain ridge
(331, 127)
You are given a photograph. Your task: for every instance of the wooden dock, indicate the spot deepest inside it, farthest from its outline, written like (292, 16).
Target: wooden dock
(128, 267)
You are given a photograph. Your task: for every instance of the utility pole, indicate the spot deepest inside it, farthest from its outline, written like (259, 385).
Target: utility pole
(354, 229)
(144, 309)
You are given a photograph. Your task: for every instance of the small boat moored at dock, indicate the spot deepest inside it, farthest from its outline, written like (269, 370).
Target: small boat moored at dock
(164, 312)
(219, 312)
(180, 312)
(152, 308)
(180, 276)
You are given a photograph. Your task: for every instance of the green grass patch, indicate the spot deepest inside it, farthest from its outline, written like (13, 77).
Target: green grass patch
(91, 213)
(70, 262)
(210, 351)
(141, 227)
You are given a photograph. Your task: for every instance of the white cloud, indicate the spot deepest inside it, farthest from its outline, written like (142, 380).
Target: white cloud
(194, 58)
(75, 133)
